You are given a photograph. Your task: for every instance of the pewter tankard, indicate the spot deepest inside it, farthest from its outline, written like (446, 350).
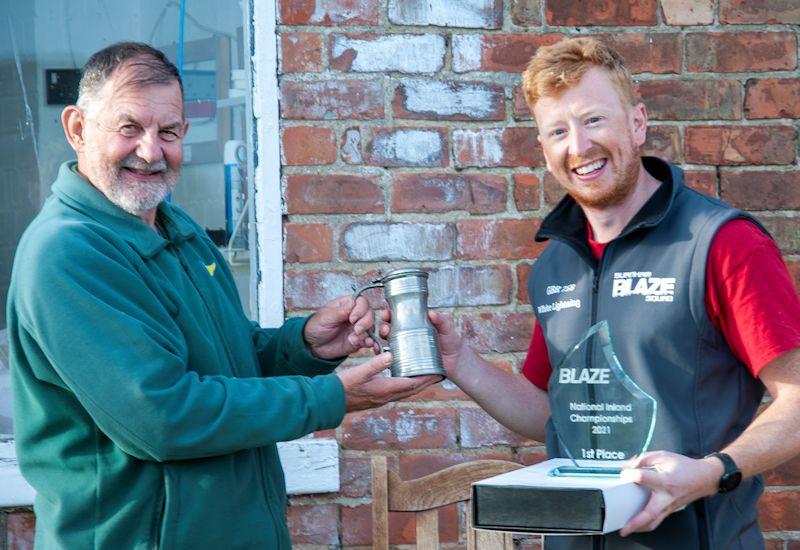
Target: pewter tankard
(412, 340)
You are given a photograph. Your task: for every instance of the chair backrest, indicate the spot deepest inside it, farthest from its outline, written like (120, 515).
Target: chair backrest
(425, 495)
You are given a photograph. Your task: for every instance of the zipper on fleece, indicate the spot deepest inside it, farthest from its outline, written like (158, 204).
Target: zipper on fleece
(266, 486)
(158, 519)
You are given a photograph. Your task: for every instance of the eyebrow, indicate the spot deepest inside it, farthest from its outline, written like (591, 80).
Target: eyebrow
(173, 126)
(128, 119)
(600, 108)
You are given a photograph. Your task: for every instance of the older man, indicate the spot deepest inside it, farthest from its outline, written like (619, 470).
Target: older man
(730, 327)
(147, 407)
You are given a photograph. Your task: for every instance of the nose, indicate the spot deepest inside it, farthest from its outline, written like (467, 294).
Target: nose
(579, 142)
(149, 147)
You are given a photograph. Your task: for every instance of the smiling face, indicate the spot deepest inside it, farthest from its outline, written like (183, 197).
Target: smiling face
(129, 141)
(591, 137)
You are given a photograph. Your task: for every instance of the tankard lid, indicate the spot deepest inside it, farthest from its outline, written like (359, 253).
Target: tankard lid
(404, 272)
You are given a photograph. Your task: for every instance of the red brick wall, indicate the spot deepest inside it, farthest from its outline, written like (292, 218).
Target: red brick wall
(406, 142)
(17, 527)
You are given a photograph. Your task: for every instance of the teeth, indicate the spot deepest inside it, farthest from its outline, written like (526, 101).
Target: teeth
(596, 165)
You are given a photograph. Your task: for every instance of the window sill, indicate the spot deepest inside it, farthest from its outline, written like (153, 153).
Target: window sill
(15, 490)
(311, 466)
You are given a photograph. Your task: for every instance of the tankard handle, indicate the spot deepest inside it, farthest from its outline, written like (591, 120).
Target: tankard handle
(375, 283)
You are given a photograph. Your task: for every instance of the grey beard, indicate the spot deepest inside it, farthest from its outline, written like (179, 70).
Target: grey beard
(140, 198)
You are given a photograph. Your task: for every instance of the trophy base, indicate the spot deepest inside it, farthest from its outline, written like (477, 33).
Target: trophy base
(585, 471)
(534, 500)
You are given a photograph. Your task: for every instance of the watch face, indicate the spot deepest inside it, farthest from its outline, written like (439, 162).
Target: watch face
(730, 481)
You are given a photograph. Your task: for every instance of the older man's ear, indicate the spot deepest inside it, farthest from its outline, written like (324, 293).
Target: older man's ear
(73, 122)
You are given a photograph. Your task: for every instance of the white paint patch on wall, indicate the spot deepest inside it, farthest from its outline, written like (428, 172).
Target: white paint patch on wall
(351, 146)
(452, 193)
(486, 146)
(446, 288)
(409, 426)
(467, 52)
(337, 11)
(400, 241)
(310, 465)
(450, 98)
(477, 427)
(475, 14)
(415, 147)
(377, 426)
(488, 233)
(314, 292)
(333, 99)
(405, 53)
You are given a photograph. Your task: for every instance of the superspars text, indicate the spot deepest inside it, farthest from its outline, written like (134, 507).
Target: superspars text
(643, 283)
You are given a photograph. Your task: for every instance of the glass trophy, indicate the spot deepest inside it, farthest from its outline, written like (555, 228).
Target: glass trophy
(598, 412)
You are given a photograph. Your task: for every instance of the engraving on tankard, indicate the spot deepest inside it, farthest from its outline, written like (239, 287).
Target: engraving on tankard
(412, 340)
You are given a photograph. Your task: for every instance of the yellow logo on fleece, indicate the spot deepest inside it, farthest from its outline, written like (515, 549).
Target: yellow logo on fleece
(211, 268)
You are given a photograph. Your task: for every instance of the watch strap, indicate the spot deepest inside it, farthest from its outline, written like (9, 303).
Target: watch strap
(731, 475)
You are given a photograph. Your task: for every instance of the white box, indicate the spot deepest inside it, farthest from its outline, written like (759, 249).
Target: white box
(532, 500)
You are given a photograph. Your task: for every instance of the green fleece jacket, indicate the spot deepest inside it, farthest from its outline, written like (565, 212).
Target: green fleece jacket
(146, 405)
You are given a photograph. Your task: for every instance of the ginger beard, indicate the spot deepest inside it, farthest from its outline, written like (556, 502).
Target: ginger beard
(595, 194)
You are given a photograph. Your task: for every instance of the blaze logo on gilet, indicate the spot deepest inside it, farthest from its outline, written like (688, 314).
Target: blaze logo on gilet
(642, 283)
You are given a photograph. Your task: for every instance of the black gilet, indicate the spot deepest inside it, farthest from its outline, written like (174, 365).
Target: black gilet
(664, 340)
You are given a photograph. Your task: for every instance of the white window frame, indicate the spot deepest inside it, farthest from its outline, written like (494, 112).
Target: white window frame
(311, 464)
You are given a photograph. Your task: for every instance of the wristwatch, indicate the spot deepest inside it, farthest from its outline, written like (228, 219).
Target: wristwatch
(731, 476)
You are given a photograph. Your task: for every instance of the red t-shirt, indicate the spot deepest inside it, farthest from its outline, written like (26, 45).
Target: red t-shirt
(750, 299)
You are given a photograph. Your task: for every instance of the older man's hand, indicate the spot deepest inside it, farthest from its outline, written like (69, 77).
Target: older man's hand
(366, 386)
(339, 328)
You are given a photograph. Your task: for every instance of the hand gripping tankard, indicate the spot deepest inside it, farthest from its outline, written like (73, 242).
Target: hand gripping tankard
(412, 340)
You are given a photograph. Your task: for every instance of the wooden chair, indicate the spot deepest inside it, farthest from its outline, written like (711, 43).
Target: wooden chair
(425, 495)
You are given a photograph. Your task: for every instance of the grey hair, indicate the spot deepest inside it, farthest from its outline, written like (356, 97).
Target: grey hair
(148, 66)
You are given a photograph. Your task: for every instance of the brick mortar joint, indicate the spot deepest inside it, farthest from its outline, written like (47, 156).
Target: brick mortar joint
(511, 79)
(367, 265)
(334, 500)
(509, 25)
(782, 534)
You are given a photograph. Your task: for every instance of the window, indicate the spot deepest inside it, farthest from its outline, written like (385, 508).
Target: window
(40, 60)
(43, 47)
